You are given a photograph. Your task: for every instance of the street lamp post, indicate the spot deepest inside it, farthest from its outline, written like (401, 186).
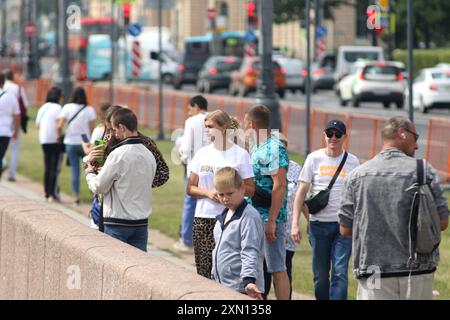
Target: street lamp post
(410, 60)
(64, 71)
(308, 77)
(266, 86)
(3, 44)
(160, 83)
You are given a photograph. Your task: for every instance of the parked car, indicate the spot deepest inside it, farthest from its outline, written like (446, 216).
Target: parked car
(431, 89)
(243, 81)
(215, 73)
(373, 82)
(295, 78)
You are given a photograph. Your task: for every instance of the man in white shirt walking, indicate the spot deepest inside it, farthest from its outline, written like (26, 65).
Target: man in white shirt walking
(126, 183)
(18, 92)
(9, 119)
(192, 140)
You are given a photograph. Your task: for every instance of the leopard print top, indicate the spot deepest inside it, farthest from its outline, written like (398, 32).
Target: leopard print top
(162, 169)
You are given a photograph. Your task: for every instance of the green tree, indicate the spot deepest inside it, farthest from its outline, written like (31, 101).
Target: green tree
(291, 10)
(431, 22)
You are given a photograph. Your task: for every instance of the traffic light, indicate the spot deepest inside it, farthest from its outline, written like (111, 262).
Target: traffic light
(251, 14)
(126, 7)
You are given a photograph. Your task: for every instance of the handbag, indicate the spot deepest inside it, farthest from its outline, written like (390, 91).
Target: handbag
(97, 211)
(319, 201)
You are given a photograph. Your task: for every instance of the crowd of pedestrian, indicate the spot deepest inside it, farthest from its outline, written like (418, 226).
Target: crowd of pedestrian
(244, 197)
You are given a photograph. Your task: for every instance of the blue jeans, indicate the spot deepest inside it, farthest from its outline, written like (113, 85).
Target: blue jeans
(75, 153)
(134, 236)
(187, 220)
(330, 250)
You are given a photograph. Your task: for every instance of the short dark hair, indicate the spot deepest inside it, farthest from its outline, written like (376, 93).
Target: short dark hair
(200, 101)
(54, 95)
(79, 96)
(9, 75)
(126, 117)
(260, 114)
(2, 79)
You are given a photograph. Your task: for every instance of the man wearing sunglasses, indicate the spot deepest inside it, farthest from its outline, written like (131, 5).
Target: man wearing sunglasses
(375, 210)
(330, 249)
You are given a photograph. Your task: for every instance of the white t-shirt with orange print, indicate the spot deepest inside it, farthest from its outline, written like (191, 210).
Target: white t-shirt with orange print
(318, 170)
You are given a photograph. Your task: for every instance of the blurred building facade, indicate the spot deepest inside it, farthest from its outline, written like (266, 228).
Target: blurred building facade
(190, 18)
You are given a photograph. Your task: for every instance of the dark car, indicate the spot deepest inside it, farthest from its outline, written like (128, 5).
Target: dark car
(215, 73)
(322, 73)
(192, 61)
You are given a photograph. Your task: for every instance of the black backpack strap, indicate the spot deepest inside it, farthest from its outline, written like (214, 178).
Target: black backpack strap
(421, 179)
(338, 171)
(76, 114)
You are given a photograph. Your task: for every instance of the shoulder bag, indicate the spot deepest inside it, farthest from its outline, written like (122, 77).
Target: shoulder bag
(319, 201)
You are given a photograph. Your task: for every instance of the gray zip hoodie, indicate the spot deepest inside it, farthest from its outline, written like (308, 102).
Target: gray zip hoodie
(239, 251)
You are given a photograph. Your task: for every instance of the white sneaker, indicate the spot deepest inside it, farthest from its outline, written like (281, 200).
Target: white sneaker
(182, 247)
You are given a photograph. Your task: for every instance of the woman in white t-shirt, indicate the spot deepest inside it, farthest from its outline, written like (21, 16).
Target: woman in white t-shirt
(48, 137)
(81, 120)
(223, 152)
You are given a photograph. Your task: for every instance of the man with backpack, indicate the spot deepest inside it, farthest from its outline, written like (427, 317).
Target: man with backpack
(391, 256)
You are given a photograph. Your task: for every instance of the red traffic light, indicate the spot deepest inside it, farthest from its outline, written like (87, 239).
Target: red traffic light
(126, 7)
(251, 8)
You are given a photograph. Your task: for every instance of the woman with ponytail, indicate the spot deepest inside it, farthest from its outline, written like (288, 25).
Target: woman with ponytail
(222, 152)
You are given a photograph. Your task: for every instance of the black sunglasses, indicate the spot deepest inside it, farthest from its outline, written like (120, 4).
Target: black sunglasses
(330, 134)
(416, 136)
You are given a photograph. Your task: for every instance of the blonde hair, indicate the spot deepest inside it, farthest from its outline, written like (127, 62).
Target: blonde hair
(227, 178)
(223, 119)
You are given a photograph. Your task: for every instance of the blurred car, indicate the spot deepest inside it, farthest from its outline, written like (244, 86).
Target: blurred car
(295, 79)
(373, 82)
(215, 73)
(402, 68)
(322, 73)
(243, 81)
(431, 89)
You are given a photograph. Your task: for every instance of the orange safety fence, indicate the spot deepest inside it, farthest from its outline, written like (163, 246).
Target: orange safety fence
(364, 131)
(438, 146)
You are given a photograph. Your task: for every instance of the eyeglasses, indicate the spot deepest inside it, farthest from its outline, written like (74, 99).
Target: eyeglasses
(330, 134)
(416, 136)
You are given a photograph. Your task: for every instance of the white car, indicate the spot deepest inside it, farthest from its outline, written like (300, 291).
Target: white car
(373, 82)
(431, 89)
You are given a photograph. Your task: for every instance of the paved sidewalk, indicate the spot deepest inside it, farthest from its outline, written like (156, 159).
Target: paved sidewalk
(159, 244)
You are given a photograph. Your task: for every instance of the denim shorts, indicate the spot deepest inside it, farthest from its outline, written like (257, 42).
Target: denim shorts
(275, 251)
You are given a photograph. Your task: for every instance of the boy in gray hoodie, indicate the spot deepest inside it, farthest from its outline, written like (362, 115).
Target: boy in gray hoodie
(238, 254)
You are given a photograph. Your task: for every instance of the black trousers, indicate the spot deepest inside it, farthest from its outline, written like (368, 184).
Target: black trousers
(51, 158)
(4, 142)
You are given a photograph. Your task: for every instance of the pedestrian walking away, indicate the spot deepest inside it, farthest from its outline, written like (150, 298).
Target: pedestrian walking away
(376, 210)
(19, 92)
(48, 137)
(9, 119)
(81, 120)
